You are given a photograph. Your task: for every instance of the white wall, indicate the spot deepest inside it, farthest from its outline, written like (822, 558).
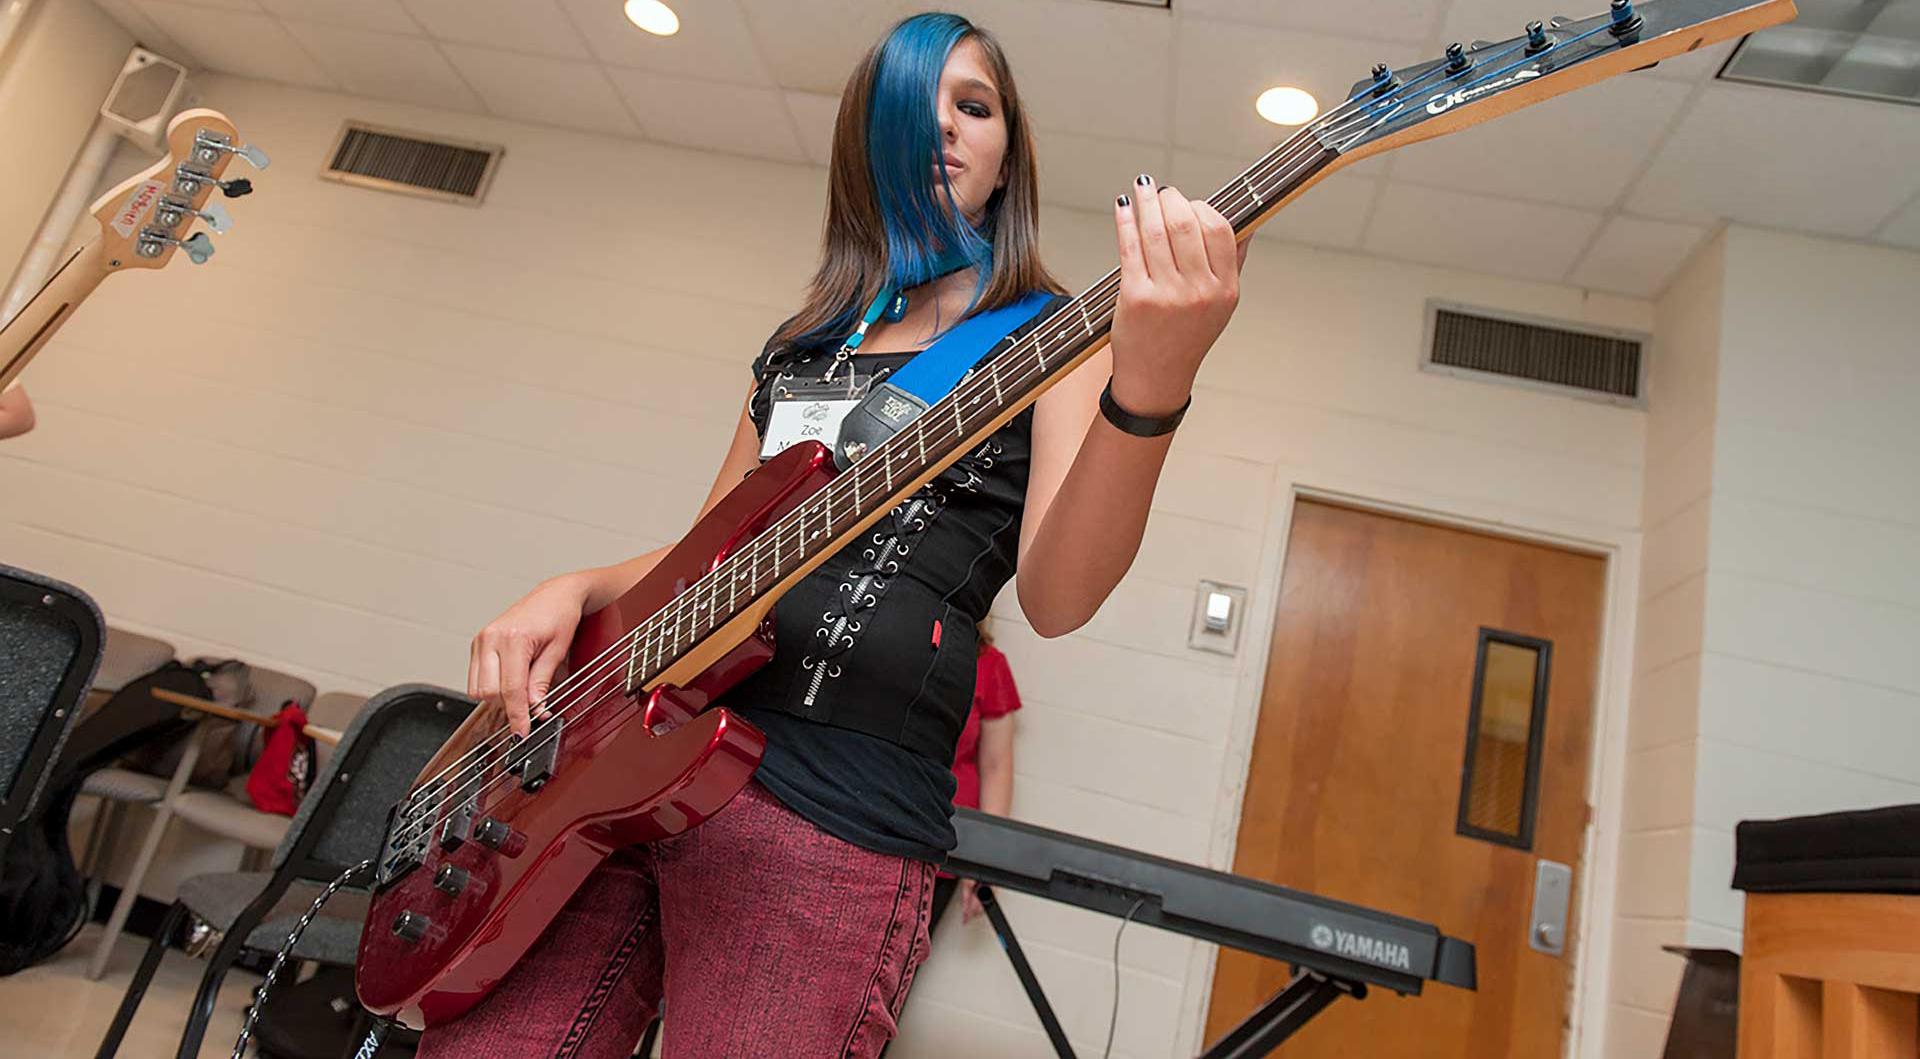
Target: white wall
(1809, 683)
(53, 76)
(1781, 585)
(373, 421)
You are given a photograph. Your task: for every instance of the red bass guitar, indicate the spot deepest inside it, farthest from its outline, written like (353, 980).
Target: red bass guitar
(499, 832)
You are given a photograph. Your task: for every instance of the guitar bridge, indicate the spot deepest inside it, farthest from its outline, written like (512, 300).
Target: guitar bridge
(533, 758)
(403, 849)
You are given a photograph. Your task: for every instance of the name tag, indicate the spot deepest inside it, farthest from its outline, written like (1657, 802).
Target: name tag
(800, 419)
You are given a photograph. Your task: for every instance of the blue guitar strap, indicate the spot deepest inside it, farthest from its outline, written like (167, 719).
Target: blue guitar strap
(928, 377)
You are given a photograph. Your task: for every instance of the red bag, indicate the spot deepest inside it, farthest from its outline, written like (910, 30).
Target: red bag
(280, 778)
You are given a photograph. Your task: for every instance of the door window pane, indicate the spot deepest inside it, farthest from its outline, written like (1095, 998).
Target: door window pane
(1501, 781)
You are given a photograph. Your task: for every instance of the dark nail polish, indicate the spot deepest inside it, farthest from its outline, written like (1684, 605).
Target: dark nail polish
(1123, 201)
(1143, 180)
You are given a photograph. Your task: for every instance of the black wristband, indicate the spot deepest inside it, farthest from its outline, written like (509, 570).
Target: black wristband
(1140, 426)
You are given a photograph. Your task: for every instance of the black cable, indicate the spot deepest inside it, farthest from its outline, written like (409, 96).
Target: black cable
(1113, 1020)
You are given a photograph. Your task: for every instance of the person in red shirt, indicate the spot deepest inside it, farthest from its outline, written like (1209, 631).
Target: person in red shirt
(982, 763)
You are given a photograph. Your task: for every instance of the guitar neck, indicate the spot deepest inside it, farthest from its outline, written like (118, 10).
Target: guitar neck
(30, 330)
(992, 394)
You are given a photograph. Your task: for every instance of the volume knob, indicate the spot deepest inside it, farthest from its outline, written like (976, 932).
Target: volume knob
(492, 833)
(411, 925)
(451, 879)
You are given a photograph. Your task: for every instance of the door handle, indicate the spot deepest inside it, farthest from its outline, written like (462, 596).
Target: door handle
(1552, 892)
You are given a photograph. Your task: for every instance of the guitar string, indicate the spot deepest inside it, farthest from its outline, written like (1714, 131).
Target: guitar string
(1240, 193)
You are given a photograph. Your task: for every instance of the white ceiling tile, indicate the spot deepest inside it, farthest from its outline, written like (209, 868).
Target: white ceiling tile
(813, 46)
(575, 95)
(814, 115)
(1783, 159)
(1330, 213)
(536, 26)
(386, 65)
(713, 43)
(148, 32)
(1904, 228)
(1478, 233)
(1600, 136)
(1223, 67)
(1089, 68)
(235, 42)
(386, 16)
(1636, 256)
(709, 115)
(1087, 172)
(1694, 66)
(1405, 21)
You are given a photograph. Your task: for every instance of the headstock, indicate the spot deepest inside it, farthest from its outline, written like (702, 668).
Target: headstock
(1471, 84)
(147, 218)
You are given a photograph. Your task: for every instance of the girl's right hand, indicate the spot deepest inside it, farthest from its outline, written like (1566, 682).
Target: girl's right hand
(513, 660)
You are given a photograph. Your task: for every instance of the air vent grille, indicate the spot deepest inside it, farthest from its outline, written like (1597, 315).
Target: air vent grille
(1606, 366)
(412, 163)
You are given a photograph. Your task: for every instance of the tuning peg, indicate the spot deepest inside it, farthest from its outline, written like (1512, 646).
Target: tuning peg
(171, 212)
(233, 189)
(152, 241)
(1457, 61)
(217, 218)
(198, 249)
(1626, 24)
(208, 146)
(1537, 39)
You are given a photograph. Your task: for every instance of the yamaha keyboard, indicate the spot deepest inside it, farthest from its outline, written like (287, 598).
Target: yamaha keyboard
(1337, 949)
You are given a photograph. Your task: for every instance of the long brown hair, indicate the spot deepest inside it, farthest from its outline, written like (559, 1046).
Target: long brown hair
(853, 259)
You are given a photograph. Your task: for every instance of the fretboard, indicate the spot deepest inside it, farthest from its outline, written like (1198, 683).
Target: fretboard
(995, 390)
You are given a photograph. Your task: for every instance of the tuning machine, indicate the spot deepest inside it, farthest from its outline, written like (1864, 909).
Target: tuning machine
(171, 212)
(209, 146)
(153, 241)
(187, 182)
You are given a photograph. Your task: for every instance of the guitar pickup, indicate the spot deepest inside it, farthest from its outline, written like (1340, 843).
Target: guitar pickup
(457, 825)
(533, 759)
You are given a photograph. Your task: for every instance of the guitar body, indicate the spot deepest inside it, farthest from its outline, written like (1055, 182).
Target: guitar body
(632, 769)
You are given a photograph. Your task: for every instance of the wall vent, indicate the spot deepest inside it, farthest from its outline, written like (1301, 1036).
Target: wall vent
(412, 163)
(1597, 364)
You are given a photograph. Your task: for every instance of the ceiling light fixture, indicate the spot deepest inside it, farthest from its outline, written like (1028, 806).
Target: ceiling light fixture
(654, 17)
(1287, 106)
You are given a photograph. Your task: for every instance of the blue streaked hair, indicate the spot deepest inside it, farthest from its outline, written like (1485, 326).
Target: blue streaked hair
(886, 224)
(904, 145)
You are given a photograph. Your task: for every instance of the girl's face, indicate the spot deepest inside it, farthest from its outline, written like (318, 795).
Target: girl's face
(973, 131)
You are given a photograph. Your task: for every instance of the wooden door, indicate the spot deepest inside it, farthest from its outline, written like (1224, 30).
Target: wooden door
(1359, 787)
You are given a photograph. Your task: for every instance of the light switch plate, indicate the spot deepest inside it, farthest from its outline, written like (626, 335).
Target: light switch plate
(1225, 641)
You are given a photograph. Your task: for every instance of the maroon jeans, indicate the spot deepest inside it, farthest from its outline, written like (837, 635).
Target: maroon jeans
(764, 935)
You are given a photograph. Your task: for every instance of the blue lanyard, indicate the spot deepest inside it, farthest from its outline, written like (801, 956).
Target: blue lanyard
(891, 304)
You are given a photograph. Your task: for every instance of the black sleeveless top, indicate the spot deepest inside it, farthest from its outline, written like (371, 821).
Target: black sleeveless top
(875, 650)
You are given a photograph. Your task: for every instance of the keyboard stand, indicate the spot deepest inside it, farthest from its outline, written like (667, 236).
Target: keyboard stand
(1259, 1034)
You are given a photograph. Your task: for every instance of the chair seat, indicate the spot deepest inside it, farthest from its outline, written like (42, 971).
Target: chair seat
(128, 655)
(219, 813)
(125, 785)
(333, 937)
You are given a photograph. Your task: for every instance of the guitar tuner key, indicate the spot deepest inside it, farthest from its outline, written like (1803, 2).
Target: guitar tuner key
(1457, 60)
(1537, 39)
(233, 189)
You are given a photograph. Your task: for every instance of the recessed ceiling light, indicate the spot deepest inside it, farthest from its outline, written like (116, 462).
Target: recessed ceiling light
(1287, 106)
(654, 17)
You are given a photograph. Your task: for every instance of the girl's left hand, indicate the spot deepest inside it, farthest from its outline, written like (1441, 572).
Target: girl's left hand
(970, 907)
(1179, 284)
